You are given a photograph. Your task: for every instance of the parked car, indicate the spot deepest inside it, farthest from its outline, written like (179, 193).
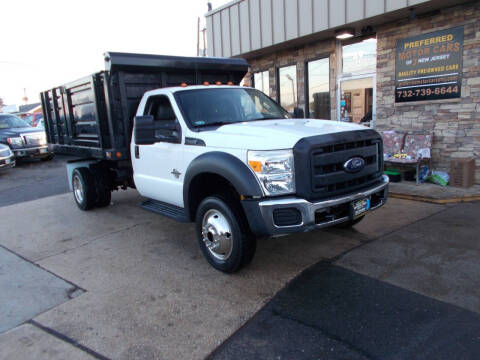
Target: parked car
(24, 140)
(7, 159)
(33, 119)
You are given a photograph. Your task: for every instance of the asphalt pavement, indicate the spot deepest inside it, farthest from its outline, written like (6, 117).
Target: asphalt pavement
(33, 179)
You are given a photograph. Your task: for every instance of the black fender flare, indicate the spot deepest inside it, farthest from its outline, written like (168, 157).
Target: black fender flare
(225, 165)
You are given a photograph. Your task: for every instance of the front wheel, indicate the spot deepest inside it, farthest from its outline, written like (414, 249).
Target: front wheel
(223, 234)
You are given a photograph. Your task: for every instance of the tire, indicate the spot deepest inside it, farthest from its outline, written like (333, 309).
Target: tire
(83, 185)
(47, 158)
(104, 196)
(350, 223)
(221, 222)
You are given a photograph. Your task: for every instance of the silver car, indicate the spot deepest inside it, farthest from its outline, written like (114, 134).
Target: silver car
(7, 159)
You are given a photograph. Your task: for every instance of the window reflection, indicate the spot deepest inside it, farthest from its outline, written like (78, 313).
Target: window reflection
(319, 89)
(288, 87)
(360, 58)
(261, 81)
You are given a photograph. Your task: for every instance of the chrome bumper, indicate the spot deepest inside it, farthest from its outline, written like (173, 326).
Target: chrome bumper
(7, 162)
(34, 151)
(309, 211)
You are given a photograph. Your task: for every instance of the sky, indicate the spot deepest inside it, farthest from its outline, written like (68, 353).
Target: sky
(51, 42)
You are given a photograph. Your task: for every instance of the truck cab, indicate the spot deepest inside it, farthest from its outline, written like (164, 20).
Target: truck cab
(201, 149)
(220, 155)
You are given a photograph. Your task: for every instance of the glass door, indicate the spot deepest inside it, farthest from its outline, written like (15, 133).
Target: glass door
(356, 100)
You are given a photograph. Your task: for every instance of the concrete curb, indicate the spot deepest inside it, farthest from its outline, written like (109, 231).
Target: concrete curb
(451, 200)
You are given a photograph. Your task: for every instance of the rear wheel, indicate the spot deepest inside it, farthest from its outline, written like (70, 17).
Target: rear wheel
(223, 234)
(104, 195)
(83, 186)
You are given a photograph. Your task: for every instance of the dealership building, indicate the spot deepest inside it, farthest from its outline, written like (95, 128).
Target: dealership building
(407, 65)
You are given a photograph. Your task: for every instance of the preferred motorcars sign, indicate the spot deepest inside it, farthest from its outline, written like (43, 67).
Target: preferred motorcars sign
(429, 66)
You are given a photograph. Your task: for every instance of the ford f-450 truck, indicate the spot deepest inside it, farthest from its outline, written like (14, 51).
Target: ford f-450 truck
(201, 149)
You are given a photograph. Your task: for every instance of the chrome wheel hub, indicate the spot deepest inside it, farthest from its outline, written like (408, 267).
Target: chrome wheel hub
(217, 234)
(77, 188)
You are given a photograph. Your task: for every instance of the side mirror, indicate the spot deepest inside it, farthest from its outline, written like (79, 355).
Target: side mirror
(144, 129)
(298, 113)
(148, 131)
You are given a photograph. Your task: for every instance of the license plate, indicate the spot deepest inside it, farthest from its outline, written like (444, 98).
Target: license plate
(360, 207)
(7, 161)
(43, 151)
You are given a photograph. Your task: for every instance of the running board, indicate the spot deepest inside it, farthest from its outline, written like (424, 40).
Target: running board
(171, 211)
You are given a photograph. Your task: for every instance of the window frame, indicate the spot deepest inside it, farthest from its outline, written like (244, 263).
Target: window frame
(306, 81)
(277, 81)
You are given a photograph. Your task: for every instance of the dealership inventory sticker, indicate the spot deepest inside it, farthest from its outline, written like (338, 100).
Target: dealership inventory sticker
(429, 66)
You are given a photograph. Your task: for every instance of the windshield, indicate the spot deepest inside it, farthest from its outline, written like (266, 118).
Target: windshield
(204, 107)
(11, 121)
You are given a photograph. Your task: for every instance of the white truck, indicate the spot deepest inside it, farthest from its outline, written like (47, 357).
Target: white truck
(201, 149)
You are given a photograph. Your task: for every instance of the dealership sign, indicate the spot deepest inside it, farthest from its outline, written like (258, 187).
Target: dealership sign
(429, 66)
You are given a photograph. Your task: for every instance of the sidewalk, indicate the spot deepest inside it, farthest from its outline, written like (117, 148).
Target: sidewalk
(433, 193)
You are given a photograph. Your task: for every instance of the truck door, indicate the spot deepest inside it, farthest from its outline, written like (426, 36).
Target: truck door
(158, 168)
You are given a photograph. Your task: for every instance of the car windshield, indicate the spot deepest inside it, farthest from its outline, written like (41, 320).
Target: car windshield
(206, 107)
(11, 121)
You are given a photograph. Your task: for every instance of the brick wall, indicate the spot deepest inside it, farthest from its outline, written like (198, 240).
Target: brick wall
(454, 124)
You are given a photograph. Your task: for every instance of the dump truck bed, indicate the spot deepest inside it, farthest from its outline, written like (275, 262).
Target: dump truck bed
(93, 116)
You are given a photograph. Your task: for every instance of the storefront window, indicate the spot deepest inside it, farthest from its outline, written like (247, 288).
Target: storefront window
(319, 89)
(356, 102)
(288, 87)
(260, 80)
(361, 57)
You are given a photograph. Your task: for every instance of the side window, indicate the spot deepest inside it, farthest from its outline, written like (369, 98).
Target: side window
(160, 108)
(167, 128)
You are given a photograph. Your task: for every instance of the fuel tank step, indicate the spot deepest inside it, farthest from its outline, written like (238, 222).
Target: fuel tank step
(168, 210)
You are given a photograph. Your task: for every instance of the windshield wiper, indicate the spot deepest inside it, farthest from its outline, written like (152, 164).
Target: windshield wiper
(214, 123)
(266, 118)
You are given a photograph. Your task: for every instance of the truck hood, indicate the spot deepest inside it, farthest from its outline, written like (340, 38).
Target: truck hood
(272, 134)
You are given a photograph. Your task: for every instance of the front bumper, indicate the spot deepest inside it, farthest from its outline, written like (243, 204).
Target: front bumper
(34, 152)
(7, 162)
(314, 215)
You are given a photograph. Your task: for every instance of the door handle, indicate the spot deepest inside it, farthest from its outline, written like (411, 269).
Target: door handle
(137, 152)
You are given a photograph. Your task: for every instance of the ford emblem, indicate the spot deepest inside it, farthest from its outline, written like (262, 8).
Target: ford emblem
(354, 165)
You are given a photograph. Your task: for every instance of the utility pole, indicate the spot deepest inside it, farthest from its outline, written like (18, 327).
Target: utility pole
(198, 37)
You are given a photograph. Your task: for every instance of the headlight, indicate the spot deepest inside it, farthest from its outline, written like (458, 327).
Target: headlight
(274, 170)
(15, 141)
(43, 139)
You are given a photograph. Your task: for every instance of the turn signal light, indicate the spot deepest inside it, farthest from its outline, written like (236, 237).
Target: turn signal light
(119, 154)
(255, 165)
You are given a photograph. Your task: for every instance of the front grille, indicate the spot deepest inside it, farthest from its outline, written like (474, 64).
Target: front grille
(324, 156)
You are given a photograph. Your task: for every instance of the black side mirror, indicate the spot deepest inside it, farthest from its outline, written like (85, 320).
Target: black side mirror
(144, 129)
(148, 131)
(298, 113)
